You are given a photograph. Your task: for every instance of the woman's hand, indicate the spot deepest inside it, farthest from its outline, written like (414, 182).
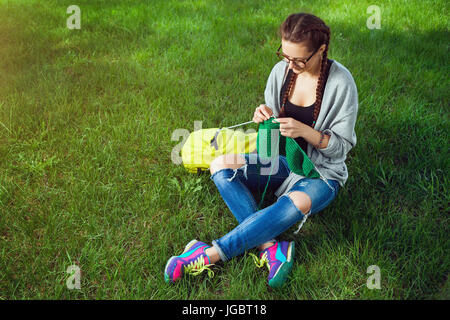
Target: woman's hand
(262, 113)
(289, 127)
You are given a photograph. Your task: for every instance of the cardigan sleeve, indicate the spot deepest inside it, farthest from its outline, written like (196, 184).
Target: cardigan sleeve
(271, 93)
(342, 127)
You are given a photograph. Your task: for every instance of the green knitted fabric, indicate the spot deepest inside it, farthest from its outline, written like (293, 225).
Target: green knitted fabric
(297, 159)
(268, 125)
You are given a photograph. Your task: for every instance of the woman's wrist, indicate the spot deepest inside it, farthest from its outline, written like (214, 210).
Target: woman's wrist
(317, 138)
(322, 135)
(323, 142)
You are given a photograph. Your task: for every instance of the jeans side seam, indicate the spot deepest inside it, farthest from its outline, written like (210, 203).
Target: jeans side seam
(222, 255)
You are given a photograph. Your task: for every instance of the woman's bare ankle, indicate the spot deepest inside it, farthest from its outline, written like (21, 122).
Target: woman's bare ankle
(265, 245)
(212, 254)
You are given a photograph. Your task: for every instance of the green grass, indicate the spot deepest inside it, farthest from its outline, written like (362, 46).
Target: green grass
(86, 177)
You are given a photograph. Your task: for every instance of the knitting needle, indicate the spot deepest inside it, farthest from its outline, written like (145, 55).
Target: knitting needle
(238, 125)
(214, 142)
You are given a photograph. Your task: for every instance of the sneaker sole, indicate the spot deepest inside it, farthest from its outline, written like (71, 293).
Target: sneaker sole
(283, 272)
(186, 249)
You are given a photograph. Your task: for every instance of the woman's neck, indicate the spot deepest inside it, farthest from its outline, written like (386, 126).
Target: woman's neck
(314, 73)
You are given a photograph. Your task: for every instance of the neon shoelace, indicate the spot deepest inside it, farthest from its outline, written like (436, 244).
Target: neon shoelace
(198, 266)
(261, 262)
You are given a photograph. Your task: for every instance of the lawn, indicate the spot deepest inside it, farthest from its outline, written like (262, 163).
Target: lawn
(86, 176)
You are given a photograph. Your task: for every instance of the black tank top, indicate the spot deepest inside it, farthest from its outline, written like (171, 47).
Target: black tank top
(300, 113)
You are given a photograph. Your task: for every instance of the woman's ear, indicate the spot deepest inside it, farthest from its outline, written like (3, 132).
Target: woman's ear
(322, 48)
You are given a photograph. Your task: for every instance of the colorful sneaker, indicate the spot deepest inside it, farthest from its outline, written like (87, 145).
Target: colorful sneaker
(279, 259)
(193, 261)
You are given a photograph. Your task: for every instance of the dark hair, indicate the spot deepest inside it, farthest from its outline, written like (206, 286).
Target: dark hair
(307, 28)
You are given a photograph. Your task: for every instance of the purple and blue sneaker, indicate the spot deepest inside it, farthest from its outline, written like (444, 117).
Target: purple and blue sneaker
(193, 261)
(279, 259)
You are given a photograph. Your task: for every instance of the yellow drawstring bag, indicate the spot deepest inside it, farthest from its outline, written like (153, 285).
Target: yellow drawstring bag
(200, 148)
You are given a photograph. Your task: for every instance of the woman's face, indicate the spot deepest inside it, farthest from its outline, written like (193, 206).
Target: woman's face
(301, 51)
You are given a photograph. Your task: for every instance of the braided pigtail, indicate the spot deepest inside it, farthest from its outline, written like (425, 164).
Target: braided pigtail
(286, 94)
(321, 84)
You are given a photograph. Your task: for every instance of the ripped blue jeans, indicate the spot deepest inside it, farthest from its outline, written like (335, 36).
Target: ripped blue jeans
(260, 226)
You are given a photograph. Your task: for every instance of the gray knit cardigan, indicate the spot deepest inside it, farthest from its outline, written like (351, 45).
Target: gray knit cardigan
(337, 118)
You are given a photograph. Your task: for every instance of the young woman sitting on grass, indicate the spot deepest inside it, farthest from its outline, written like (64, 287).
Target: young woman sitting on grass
(315, 100)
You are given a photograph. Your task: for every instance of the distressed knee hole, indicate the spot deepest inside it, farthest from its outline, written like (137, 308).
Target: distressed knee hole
(229, 161)
(232, 161)
(301, 200)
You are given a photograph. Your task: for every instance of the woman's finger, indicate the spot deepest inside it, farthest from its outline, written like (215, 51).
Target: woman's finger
(262, 115)
(257, 119)
(281, 120)
(265, 112)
